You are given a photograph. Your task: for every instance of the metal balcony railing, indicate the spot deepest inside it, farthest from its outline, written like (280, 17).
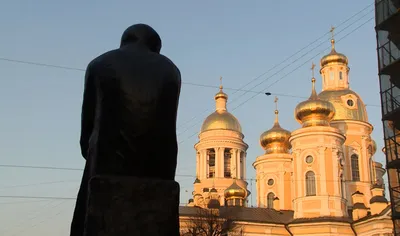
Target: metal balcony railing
(388, 54)
(385, 9)
(390, 101)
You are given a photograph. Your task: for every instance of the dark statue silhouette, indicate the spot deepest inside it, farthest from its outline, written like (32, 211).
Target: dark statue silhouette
(129, 114)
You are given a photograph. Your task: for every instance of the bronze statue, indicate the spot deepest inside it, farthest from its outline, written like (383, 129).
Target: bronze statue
(129, 114)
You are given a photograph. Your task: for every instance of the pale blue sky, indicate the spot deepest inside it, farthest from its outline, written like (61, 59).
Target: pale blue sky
(239, 40)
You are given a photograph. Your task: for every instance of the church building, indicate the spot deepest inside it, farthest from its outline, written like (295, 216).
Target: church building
(320, 179)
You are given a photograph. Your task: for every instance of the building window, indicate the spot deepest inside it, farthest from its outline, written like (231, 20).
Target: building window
(309, 159)
(340, 75)
(331, 75)
(310, 184)
(350, 102)
(211, 163)
(241, 164)
(270, 200)
(227, 163)
(355, 169)
(271, 182)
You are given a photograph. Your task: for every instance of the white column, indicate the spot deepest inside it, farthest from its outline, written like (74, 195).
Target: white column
(258, 188)
(205, 163)
(197, 165)
(322, 172)
(221, 162)
(281, 187)
(263, 194)
(336, 179)
(244, 164)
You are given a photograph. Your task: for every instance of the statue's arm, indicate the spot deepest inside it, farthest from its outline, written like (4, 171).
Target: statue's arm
(88, 111)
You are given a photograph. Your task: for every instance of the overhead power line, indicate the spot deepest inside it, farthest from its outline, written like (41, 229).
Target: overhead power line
(275, 66)
(276, 73)
(287, 74)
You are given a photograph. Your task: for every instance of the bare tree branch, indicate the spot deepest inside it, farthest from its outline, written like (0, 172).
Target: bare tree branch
(208, 222)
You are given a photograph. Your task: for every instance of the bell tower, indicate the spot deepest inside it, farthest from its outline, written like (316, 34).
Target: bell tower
(274, 168)
(317, 161)
(220, 155)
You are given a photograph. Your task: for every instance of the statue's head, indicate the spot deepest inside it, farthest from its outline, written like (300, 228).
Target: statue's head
(142, 34)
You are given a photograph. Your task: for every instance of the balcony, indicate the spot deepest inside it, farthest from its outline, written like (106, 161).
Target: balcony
(387, 16)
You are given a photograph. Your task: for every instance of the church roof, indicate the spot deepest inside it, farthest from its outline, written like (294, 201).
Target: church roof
(266, 215)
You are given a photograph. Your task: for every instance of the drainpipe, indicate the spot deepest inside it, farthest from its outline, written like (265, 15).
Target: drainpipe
(352, 228)
(287, 228)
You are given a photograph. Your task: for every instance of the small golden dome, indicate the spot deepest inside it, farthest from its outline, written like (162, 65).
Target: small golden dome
(275, 140)
(334, 57)
(314, 111)
(235, 191)
(348, 104)
(221, 118)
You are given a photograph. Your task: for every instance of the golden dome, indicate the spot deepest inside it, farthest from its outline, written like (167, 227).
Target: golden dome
(348, 104)
(221, 118)
(334, 57)
(275, 140)
(235, 191)
(314, 111)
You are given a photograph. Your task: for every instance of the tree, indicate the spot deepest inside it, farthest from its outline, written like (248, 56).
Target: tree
(208, 222)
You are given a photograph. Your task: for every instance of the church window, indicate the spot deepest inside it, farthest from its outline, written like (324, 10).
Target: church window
(211, 163)
(342, 186)
(350, 102)
(270, 200)
(331, 75)
(227, 163)
(355, 169)
(309, 159)
(271, 182)
(340, 75)
(310, 184)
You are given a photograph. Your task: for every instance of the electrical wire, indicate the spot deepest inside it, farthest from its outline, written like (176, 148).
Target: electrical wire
(291, 56)
(285, 75)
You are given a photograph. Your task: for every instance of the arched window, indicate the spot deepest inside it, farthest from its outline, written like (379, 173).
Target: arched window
(340, 75)
(227, 163)
(211, 163)
(270, 200)
(355, 169)
(310, 184)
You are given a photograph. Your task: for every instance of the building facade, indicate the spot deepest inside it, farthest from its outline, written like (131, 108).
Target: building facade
(320, 179)
(387, 17)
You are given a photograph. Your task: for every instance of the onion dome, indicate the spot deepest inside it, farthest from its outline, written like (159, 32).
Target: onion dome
(276, 139)
(334, 57)
(221, 118)
(235, 191)
(314, 111)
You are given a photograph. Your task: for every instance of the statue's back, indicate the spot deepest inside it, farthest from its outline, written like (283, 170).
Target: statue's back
(138, 94)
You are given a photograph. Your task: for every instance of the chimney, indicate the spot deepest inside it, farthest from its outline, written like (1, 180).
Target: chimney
(359, 208)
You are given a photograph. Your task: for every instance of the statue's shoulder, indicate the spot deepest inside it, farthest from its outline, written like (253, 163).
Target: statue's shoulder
(171, 65)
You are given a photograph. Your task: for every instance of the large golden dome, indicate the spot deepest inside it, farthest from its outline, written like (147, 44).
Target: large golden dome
(348, 104)
(221, 118)
(275, 140)
(314, 111)
(235, 191)
(334, 57)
